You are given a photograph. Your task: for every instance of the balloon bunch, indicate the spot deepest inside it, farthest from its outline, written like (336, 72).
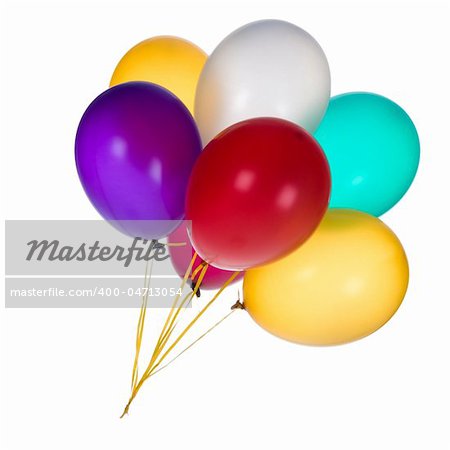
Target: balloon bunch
(287, 188)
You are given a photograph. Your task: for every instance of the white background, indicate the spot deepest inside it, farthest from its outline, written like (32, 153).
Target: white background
(66, 373)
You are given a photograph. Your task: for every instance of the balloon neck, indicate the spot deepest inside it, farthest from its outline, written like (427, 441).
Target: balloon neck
(238, 305)
(193, 283)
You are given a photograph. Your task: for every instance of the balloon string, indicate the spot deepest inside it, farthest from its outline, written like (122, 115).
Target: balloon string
(174, 312)
(191, 324)
(158, 348)
(196, 285)
(197, 270)
(194, 288)
(194, 342)
(185, 278)
(188, 298)
(153, 365)
(177, 297)
(140, 327)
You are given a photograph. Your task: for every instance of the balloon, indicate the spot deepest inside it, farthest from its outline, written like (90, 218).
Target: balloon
(135, 148)
(343, 284)
(181, 257)
(169, 61)
(257, 191)
(373, 150)
(266, 68)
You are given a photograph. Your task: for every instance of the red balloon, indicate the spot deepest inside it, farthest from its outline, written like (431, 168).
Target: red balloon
(257, 192)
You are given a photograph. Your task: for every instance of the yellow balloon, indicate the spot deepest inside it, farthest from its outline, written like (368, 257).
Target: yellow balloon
(344, 283)
(169, 61)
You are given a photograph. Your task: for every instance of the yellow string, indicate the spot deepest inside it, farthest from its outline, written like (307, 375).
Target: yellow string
(190, 325)
(194, 342)
(170, 325)
(197, 270)
(158, 348)
(140, 327)
(175, 302)
(188, 298)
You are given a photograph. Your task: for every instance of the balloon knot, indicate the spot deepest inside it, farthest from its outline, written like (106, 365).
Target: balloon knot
(193, 283)
(238, 305)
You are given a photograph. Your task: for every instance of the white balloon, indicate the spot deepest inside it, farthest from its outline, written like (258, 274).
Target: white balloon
(266, 68)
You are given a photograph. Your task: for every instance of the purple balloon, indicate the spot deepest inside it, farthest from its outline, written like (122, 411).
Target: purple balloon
(181, 257)
(135, 148)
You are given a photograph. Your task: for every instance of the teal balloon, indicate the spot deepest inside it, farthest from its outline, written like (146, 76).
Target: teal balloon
(373, 150)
